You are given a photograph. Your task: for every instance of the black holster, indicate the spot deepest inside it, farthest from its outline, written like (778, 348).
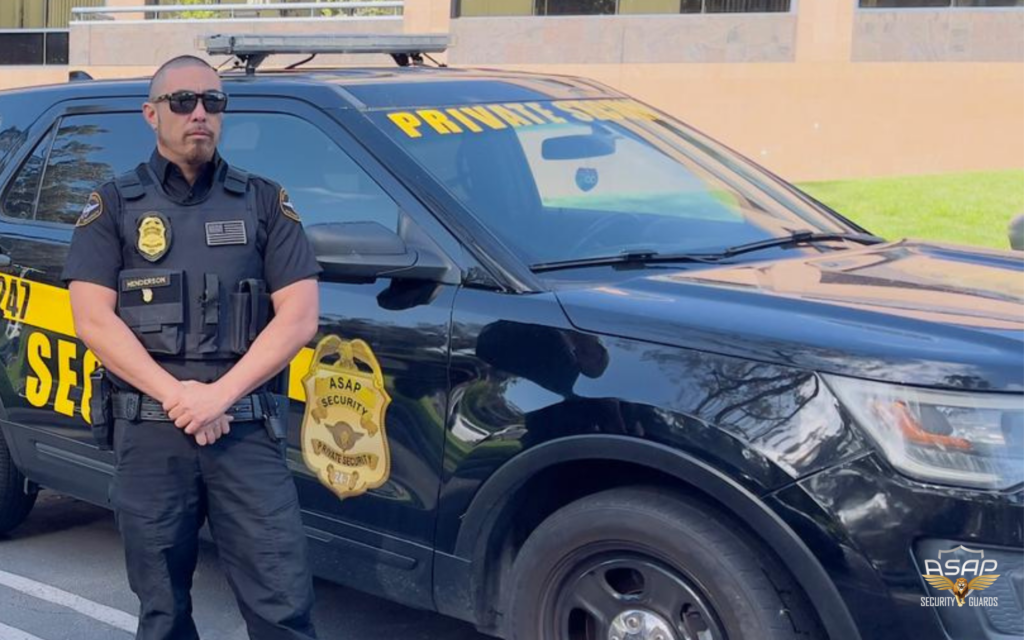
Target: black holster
(101, 413)
(275, 416)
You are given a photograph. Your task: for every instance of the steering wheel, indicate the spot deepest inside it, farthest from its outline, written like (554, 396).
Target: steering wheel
(600, 227)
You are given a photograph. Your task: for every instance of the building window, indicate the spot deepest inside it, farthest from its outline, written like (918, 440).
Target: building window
(34, 32)
(467, 8)
(32, 47)
(40, 14)
(942, 4)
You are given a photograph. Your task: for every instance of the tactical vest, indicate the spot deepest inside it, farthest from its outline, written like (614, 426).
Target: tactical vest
(191, 285)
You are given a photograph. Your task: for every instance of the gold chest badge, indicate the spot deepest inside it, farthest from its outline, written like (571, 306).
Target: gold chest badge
(343, 432)
(154, 236)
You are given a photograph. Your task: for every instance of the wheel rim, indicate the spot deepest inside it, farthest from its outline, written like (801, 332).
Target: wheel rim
(624, 596)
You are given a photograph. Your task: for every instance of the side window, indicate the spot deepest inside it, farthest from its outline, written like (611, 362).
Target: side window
(87, 151)
(20, 199)
(325, 184)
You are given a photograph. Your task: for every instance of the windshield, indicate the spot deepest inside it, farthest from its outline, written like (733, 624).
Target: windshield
(576, 179)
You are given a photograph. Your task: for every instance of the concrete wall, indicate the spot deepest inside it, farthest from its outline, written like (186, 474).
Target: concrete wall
(603, 40)
(825, 92)
(939, 36)
(118, 43)
(830, 121)
(14, 77)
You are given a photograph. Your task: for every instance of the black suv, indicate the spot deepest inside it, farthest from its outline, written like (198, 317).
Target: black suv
(582, 373)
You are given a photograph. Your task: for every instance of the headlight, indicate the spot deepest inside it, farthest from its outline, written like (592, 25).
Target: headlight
(948, 437)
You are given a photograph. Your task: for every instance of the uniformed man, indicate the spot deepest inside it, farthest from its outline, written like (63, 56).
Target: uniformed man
(194, 284)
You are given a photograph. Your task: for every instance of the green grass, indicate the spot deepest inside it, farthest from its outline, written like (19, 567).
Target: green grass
(963, 208)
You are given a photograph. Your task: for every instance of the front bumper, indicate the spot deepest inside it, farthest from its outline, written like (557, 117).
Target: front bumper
(872, 529)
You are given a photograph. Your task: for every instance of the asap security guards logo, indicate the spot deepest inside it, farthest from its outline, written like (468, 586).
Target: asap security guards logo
(964, 574)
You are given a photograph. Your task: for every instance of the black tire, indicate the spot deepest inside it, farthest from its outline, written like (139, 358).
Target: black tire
(685, 566)
(15, 504)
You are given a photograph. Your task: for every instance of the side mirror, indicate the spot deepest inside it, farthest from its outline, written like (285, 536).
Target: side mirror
(365, 251)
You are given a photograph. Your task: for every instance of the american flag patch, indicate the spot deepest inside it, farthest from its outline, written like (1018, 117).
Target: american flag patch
(226, 232)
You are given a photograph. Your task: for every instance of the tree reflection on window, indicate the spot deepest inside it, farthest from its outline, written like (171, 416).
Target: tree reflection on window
(88, 151)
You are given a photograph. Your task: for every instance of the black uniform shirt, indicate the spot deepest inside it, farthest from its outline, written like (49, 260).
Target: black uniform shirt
(174, 183)
(96, 247)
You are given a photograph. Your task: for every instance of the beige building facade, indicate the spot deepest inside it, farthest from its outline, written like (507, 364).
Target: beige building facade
(823, 90)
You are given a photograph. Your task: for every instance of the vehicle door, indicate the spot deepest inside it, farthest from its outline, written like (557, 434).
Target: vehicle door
(367, 461)
(71, 149)
(375, 538)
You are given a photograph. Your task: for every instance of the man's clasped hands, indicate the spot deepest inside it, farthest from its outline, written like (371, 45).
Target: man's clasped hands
(201, 410)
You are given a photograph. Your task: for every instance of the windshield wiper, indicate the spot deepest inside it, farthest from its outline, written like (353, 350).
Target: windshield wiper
(799, 237)
(632, 256)
(648, 256)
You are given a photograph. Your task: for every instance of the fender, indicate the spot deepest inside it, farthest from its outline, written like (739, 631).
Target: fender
(484, 511)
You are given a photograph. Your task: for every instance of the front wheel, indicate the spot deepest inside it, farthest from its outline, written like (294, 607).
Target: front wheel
(645, 564)
(15, 504)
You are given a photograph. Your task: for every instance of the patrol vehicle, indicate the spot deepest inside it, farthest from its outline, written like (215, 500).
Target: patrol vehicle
(583, 373)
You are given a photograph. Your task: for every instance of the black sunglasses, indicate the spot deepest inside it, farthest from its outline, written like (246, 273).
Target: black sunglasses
(184, 102)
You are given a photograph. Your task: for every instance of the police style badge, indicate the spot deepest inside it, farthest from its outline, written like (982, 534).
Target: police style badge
(287, 208)
(92, 210)
(343, 432)
(154, 236)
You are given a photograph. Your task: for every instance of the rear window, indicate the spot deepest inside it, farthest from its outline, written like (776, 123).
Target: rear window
(17, 113)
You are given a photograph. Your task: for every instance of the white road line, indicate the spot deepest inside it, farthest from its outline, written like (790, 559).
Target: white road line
(107, 615)
(10, 633)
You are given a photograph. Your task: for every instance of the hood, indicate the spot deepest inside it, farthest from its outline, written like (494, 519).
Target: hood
(906, 312)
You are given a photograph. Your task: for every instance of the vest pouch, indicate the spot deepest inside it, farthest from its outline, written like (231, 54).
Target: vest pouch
(206, 339)
(152, 303)
(250, 313)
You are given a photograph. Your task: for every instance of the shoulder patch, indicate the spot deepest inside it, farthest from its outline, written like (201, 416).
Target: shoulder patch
(92, 210)
(287, 208)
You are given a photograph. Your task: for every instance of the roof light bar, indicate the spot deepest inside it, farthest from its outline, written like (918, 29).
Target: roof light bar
(253, 49)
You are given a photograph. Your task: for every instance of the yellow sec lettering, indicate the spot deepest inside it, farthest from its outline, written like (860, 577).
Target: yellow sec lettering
(66, 377)
(38, 386)
(407, 122)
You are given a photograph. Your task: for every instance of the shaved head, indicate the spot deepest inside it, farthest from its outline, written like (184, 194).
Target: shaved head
(186, 138)
(157, 83)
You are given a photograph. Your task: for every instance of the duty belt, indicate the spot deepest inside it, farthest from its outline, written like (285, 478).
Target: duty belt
(130, 405)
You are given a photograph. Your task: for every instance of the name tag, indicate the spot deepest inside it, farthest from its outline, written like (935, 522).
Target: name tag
(225, 232)
(131, 284)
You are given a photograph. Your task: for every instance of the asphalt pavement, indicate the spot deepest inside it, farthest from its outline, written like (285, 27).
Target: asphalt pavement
(62, 577)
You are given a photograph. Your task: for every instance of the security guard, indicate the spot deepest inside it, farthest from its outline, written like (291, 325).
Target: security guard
(194, 284)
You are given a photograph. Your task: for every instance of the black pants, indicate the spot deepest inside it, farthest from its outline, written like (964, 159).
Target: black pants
(165, 486)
